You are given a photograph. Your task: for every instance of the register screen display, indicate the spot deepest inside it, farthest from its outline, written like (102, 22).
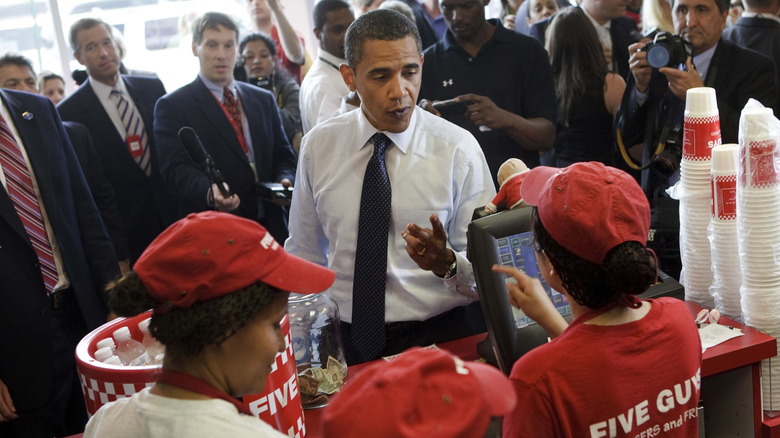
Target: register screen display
(518, 251)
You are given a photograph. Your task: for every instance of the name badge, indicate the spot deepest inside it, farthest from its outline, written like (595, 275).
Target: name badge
(134, 146)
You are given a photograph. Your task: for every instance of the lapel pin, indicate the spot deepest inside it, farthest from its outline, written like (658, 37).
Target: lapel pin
(27, 115)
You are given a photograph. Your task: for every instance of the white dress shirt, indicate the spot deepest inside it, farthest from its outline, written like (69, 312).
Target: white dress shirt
(321, 90)
(103, 93)
(434, 167)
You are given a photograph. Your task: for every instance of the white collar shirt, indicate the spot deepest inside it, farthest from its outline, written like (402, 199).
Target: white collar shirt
(603, 32)
(103, 93)
(433, 166)
(321, 90)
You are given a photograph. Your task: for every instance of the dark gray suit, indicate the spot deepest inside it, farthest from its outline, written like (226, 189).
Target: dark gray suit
(759, 34)
(193, 105)
(144, 202)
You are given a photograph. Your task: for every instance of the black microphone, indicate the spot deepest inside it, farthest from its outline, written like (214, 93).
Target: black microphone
(189, 139)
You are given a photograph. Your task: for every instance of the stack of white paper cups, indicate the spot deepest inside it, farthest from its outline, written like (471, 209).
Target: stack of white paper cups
(701, 133)
(758, 228)
(727, 277)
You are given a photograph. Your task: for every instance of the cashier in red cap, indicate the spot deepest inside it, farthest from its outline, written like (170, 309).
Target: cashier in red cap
(421, 393)
(218, 285)
(623, 367)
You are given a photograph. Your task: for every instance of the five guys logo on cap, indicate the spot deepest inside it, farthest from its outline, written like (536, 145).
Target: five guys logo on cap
(268, 241)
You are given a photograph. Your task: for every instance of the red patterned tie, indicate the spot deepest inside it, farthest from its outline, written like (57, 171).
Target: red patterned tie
(22, 194)
(231, 104)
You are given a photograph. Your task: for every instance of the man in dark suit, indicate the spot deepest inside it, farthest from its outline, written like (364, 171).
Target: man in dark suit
(16, 73)
(44, 315)
(106, 104)
(615, 30)
(656, 98)
(238, 124)
(758, 28)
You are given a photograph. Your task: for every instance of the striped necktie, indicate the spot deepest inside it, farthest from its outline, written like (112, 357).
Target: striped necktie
(368, 293)
(20, 190)
(133, 124)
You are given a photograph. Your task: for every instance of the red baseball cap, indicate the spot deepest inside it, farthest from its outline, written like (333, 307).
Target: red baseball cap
(421, 393)
(210, 254)
(588, 208)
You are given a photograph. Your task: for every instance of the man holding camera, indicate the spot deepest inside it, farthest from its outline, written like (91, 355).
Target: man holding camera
(239, 126)
(654, 101)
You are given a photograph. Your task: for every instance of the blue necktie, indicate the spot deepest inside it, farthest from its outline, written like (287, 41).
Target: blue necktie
(368, 292)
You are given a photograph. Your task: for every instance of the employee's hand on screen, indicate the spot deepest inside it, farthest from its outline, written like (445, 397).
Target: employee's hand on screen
(428, 246)
(7, 409)
(527, 294)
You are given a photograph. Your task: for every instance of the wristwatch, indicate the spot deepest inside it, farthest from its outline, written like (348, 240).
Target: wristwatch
(451, 271)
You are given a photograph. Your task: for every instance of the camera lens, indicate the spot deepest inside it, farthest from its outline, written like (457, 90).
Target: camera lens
(663, 166)
(658, 56)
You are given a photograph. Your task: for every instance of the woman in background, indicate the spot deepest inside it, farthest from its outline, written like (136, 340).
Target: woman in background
(260, 66)
(588, 95)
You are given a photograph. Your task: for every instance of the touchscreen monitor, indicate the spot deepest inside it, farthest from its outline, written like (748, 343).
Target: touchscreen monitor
(505, 239)
(518, 251)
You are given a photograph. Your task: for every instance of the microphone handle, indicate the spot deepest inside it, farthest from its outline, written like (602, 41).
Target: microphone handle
(216, 177)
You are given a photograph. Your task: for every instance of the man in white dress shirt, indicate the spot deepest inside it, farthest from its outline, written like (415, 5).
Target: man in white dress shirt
(323, 88)
(438, 176)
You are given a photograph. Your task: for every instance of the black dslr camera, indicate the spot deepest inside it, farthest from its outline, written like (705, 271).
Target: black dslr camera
(666, 162)
(666, 50)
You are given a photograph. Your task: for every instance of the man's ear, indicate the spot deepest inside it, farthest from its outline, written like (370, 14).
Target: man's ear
(194, 49)
(317, 33)
(77, 55)
(348, 74)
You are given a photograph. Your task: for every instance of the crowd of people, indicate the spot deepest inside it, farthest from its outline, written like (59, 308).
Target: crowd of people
(389, 139)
